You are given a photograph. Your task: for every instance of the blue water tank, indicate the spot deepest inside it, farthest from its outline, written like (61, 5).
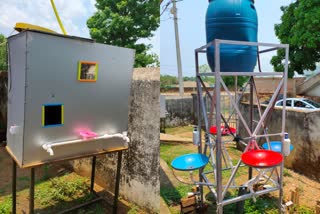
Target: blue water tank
(232, 20)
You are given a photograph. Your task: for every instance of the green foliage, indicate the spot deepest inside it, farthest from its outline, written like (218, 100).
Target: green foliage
(5, 206)
(210, 80)
(170, 152)
(301, 209)
(286, 173)
(204, 68)
(300, 28)
(167, 81)
(3, 53)
(263, 205)
(61, 189)
(123, 23)
(230, 81)
(172, 196)
(45, 169)
(189, 78)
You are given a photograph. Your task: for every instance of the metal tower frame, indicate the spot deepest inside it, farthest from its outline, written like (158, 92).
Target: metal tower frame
(216, 145)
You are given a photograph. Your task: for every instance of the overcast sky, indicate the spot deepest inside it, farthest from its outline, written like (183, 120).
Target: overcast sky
(73, 13)
(191, 15)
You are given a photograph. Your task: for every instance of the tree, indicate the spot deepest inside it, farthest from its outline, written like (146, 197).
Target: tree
(206, 69)
(166, 81)
(3, 53)
(300, 28)
(230, 81)
(123, 23)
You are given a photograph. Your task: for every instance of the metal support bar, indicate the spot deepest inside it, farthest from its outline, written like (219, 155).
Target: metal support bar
(262, 74)
(283, 125)
(251, 118)
(116, 192)
(93, 172)
(236, 107)
(265, 113)
(31, 193)
(216, 149)
(247, 196)
(218, 122)
(268, 50)
(244, 43)
(14, 187)
(199, 123)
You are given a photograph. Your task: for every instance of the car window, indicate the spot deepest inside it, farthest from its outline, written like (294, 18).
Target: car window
(280, 103)
(299, 104)
(317, 105)
(288, 103)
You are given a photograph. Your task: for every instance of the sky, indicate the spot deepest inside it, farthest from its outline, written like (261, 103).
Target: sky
(73, 13)
(191, 21)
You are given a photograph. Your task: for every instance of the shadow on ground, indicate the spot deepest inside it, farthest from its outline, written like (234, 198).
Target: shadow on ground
(57, 189)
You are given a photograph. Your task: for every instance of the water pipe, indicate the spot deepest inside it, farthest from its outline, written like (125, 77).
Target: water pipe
(58, 18)
(49, 146)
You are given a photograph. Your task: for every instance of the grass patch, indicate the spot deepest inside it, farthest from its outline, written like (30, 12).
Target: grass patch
(5, 205)
(63, 188)
(179, 130)
(286, 173)
(45, 175)
(301, 209)
(263, 205)
(133, 209)
(169, 152)
(172, 196)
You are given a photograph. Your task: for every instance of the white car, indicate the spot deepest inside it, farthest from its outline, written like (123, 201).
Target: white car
(299, 103)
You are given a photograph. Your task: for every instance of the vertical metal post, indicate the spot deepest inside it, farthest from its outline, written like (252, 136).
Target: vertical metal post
(93, 172)
(251, 117)
(218, 122)
(285, 76)
(31, 193)
(14, 187)
(199, 121)
(176, 30)
(116, 192)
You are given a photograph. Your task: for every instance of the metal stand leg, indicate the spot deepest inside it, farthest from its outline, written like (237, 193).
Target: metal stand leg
(93, 172)
(31, 196)
(116, 192)
(14, 187)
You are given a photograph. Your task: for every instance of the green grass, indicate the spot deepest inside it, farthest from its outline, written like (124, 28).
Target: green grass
(45, 169)
(168, 152)
(302, 210)
(57, 192)
(133, 209)
(179, 130)
(5, 205)
(172, 196)
(286, 173)
(61, 189)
